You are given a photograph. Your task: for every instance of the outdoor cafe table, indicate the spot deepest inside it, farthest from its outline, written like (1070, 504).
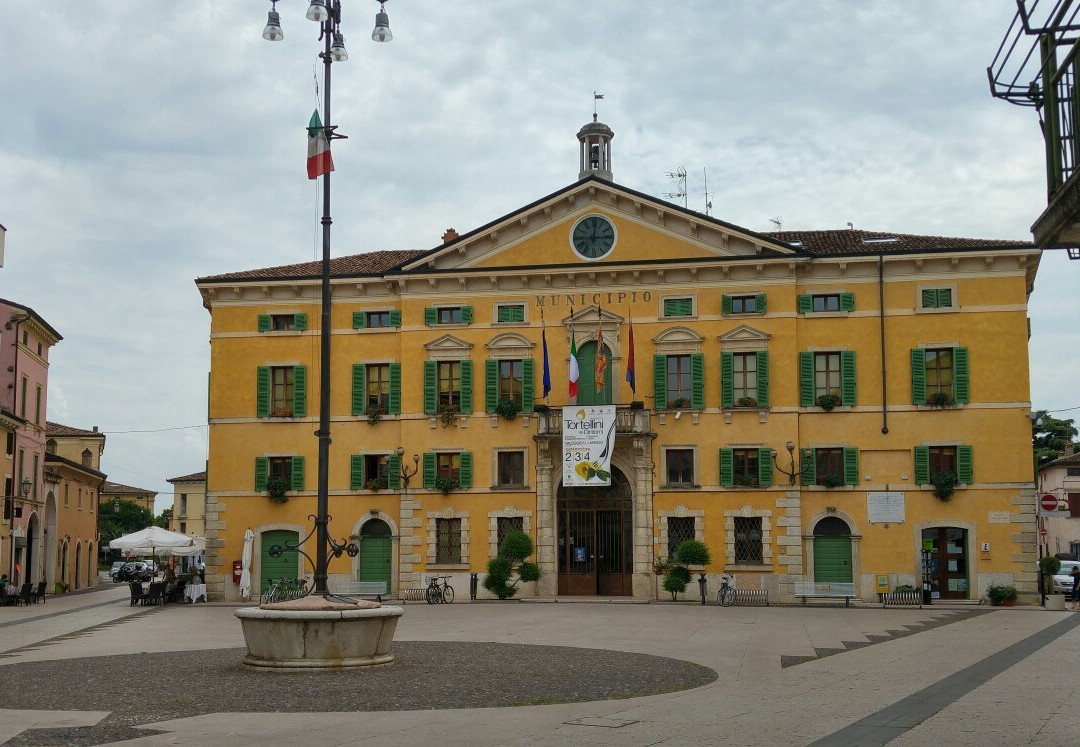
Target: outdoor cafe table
(194, 591)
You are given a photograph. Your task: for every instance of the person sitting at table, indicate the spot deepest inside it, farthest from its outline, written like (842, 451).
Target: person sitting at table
(170, 574)
(3, 583)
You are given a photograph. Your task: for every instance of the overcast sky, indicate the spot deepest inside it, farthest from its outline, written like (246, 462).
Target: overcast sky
(144, 144)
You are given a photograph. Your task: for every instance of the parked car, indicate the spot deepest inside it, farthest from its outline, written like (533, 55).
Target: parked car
(1062, 580)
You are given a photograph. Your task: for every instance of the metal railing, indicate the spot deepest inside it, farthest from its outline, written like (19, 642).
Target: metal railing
(902, 599)
(628, 421)
(285, 589)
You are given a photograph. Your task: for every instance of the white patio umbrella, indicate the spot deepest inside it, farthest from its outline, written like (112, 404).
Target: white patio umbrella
(151, 540)
(245, 565)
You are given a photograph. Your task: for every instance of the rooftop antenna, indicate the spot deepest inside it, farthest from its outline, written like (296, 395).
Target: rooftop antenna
(680, 176)
(708, 204)
(778, 221)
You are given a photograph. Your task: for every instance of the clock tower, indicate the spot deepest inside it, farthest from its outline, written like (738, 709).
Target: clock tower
(595, 157)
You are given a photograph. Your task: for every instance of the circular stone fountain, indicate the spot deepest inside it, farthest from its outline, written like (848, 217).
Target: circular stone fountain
(316, 632)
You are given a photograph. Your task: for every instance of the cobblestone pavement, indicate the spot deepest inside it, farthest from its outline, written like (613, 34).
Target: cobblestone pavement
(550, 674)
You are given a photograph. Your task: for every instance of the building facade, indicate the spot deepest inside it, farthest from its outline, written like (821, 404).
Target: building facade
(1061, 479)
(795, 401)
(189, 504)
(114, 491)
(74, 481)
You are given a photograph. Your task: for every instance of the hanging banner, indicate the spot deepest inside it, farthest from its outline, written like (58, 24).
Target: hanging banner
(588, 440)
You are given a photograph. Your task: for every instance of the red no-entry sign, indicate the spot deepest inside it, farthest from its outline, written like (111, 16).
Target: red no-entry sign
(1048, 503)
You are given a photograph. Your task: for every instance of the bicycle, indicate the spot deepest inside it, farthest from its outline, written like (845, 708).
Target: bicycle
(726, 596)
(439, 593)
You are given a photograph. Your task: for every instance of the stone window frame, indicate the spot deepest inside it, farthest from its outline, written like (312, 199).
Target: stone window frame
(767, 524)
(660, 316)
(664, 484)
(682, 512)
(432, 539)
(952, 287)
(495, 487)
(507, 512)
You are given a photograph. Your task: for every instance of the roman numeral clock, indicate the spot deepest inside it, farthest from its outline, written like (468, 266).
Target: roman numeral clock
(593, 237)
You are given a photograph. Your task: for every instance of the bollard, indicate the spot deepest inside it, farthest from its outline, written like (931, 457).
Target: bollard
(701, 582)
(474, 579)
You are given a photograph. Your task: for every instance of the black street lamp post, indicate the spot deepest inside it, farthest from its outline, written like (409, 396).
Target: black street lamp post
(327, 13)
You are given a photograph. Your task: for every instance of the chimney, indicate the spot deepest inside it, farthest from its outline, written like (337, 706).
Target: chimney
(449, 236)
(95, 429)
(1070, 447)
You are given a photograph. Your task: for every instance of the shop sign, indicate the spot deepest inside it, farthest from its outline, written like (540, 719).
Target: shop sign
(588, 440)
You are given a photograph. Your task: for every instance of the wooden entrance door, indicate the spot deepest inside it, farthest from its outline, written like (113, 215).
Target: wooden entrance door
(595, 528)
(375, 551)
(832, 551)
(284, 565)
(945, 562)
(587, 394)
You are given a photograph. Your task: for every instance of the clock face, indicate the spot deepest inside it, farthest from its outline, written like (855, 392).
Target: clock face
(593, 237)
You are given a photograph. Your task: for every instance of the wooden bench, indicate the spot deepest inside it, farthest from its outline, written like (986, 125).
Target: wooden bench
(825, 590)
(360, 589)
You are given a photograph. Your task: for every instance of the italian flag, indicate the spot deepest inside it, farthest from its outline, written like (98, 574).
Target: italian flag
(573, 364)
(319, 161)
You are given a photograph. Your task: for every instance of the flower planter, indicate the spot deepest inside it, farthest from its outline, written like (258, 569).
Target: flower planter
(1055, 603)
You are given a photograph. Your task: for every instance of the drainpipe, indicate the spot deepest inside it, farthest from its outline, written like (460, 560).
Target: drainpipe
(881, 320)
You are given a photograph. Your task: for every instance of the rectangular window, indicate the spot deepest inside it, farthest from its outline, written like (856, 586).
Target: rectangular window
(744, 376)
(10, 443)
(78, 499)
(744, 304)
(942, 459)
(745, 466)
(282, 322)
(680, 466)
(448, 466)
(829, 467)
(511, 380)
(449, 378)
(510, 313)
(827, 375)
(748, 549)
(37, 405)
(280, 467)
(67, 495)
(281, 391)
(826, 302)
(679, 529)
(678, 307)
(447, 541)
(377, 319)
(1074, 505)
(939, 372)
(510, 471)
(937, 298)
(504, 525)
(1072, 471)
(22, 398)
(183, 505)
(183, 527)
(376, 471)
(34, 479)
(378, 387)
(449, 315)
(678, 381)
(93, 501)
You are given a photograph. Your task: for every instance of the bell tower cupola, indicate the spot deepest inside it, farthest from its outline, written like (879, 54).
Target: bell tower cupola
(595, 139)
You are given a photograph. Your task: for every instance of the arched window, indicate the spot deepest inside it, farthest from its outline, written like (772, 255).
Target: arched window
(87, 458)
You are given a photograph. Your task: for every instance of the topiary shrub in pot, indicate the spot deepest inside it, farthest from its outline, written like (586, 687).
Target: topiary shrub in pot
(676, 580)
(515, 548)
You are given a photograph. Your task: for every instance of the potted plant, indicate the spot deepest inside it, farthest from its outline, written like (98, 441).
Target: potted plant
(1048, 566)
(944, 484)
(746, 402)
(744, 480)
(515, 547)
(276, 487)
(374, 414)
(60, 587)
(448, 415)
(1002, 595)
(446, 484)
(678, 403)
(676, 580)
(374, 484)
(831, 480)
(828, 401)
(507, 409)
(939, 399)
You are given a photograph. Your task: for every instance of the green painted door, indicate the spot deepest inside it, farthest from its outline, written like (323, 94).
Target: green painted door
(587, 394)
(832, 559)
(375, 546)
(283, 566)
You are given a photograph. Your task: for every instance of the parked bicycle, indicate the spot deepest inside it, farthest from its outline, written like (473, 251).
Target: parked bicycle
(285, 589)
(439, 593)
(726, 596)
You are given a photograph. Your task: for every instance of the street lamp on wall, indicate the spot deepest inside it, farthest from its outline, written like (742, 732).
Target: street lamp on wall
(406, 473)
(791, 472)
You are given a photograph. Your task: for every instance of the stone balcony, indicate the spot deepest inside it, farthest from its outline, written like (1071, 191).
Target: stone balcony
(629, 421)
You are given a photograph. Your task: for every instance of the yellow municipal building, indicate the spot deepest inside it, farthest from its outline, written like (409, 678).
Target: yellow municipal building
(840, 408)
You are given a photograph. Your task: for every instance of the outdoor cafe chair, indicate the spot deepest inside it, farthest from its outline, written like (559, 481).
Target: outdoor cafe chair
(137, 593)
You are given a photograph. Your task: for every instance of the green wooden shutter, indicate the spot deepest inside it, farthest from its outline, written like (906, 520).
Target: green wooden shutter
(262, 392)
(760, 303)
(847, 375)
(808, 467)
(395, 389)
(466, 387)
(299, 391)
(528, 386)
(727, 379)
(466, 315)
(806, 379)
(697, 381)
(262, 470)
(264, 323)
(929, 298)
(922, 465)
(359, 389)
(465, 473)
(851, 466)
(300, 321)
(918, 376)
(763, 378)
(847, 301)
(660, 382)
(944, 298)
(765, 467)
(961, 387)
(429, 469)
(359, 320)
(356, 472)
(678, 306)
(727, 467)
(431, 398)
(491, 382)
(431, 317)
(395, 317)
(963, 465)
(805, 303)
(393, 477)
(725, 304)
(503, 314)
(298, 473)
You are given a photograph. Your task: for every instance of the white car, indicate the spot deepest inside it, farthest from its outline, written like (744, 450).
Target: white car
(1062, 580)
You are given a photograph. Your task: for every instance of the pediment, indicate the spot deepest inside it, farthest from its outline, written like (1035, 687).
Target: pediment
(678, 336)
(593, 314)
(510, 345)
(448, 345)
(744, 333)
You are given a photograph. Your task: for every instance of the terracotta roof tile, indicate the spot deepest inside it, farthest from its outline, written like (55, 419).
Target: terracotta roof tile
(1063, 461)
(370, 263)
(111, 488)
(57, 429)
(193, 477)
(850, 241)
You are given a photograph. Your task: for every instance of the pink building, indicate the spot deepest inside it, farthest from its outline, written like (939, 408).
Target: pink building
(1061, 479)
(28, 531)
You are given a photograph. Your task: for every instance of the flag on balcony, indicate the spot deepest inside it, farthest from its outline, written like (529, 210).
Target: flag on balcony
(319, 161)
(573, 358)
(601, 357)
(630, 359)
(547, 369)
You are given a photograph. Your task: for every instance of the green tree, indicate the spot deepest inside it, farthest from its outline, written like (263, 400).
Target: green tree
(1049, 436)
(117, 518)
(165, 518)
(515, 547)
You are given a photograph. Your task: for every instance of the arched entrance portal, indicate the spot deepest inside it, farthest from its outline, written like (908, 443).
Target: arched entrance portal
(587, 394)
(832, 551)
(33, 549)
(595, 539)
